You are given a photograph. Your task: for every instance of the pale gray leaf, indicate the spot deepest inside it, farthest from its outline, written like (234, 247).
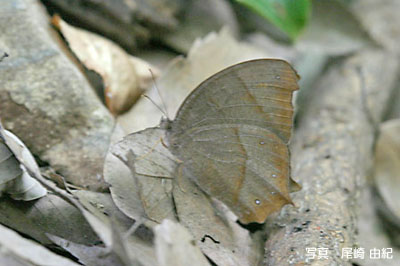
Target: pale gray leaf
(20, 186)
(152, 166)
(9, 166)
(175, 246)
(49, 214)
(138, 245)
(20, 251)
(87, 255)
(123, 187)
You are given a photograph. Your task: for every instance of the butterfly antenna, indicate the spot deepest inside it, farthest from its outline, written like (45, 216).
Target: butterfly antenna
(158, 107)
(159, 94)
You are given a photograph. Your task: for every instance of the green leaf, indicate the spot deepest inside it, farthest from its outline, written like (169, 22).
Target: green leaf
(290, 16)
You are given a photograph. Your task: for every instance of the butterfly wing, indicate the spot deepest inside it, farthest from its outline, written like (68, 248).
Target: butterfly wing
(231, 134)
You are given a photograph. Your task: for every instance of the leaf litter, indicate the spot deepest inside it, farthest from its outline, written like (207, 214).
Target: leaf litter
(135, 198)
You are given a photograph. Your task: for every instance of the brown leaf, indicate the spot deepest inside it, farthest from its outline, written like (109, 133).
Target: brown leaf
(125, 77)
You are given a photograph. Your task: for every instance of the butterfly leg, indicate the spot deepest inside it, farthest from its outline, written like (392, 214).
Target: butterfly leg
(151, 150)
(180, 177)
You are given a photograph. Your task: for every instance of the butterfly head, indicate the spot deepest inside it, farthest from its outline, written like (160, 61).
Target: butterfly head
(165, 123)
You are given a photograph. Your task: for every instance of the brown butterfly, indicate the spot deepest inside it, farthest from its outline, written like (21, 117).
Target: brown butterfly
(231, 135)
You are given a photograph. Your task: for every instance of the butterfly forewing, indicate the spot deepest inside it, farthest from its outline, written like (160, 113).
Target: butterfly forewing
(257, 92)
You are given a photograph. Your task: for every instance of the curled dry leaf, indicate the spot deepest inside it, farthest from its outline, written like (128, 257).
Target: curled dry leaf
(387, 169)
(125, 77)
(175, 246)
(16, 162)
(16, 250)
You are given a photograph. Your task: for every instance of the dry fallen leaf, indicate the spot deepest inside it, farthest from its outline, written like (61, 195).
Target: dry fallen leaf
(126, 248)
(175, 246)
(125, 77)
(16, 250)
(16, 162)
(152, 167)
(47, 215)
(101, 205)
(87, 255)
(123, 188)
